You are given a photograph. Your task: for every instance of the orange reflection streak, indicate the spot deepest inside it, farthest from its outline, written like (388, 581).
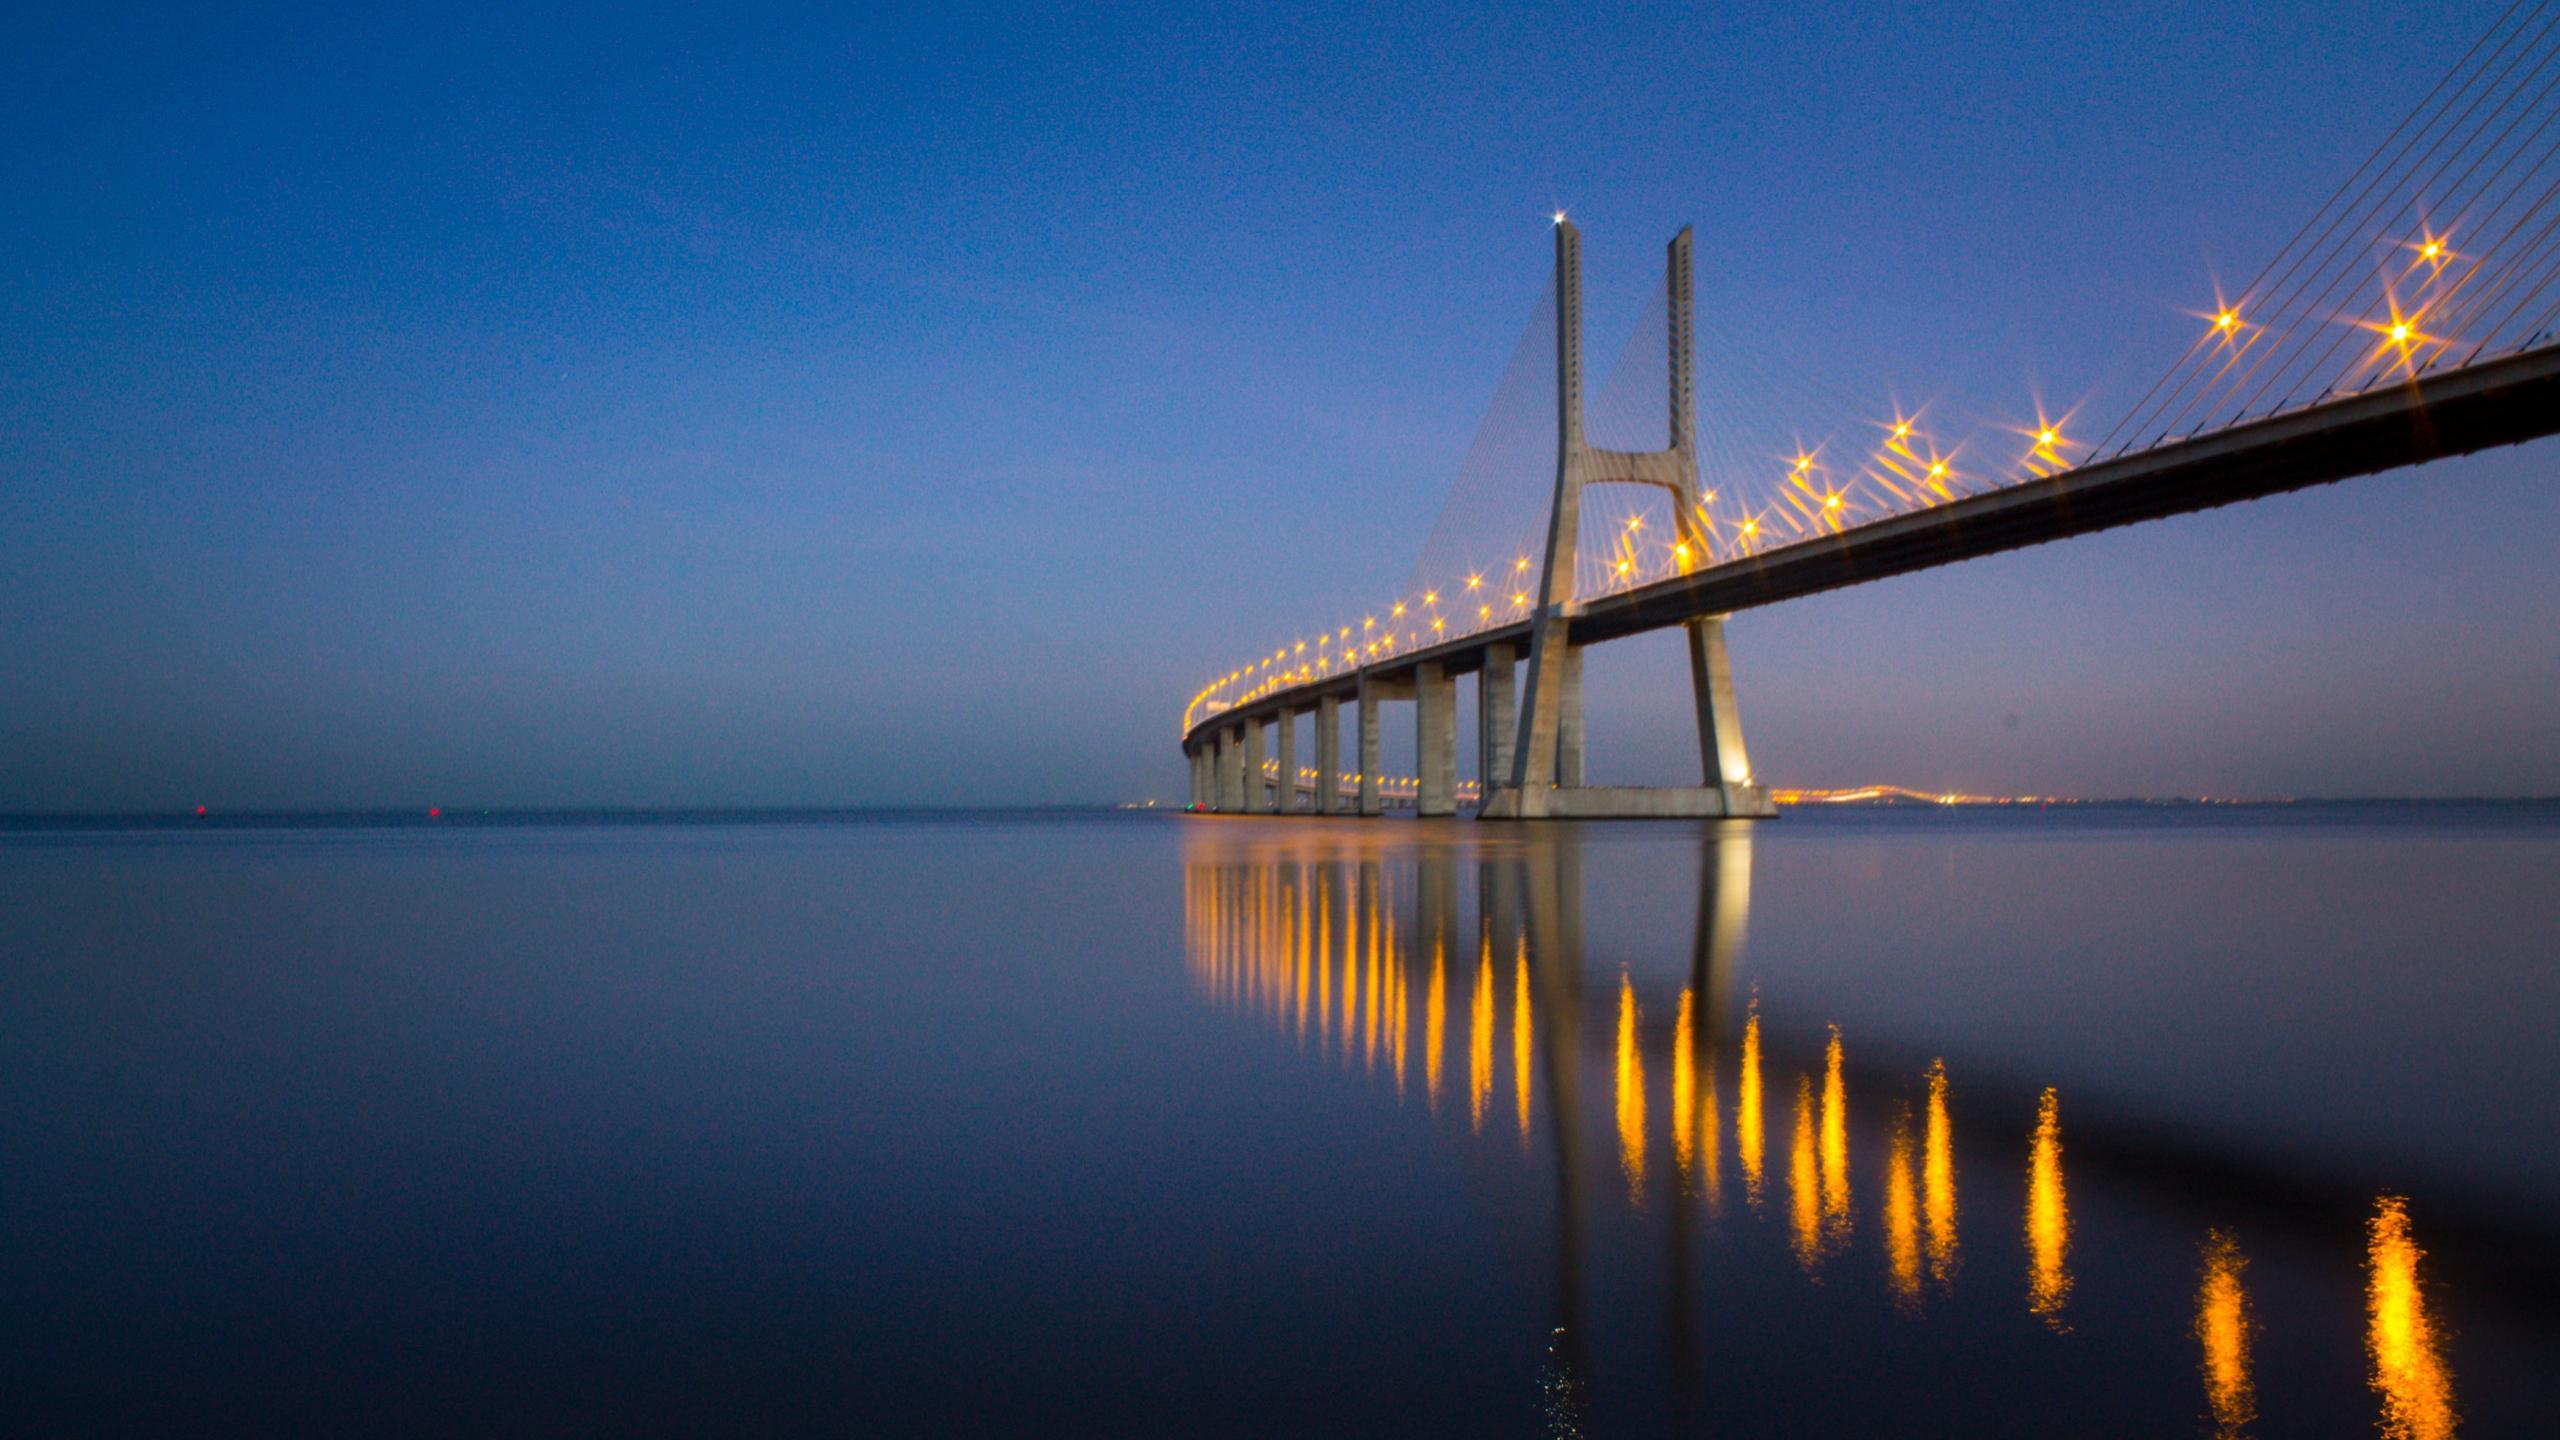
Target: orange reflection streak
(2222, 1327)
(1901, 1218)
(1374, 992)
(1398, 1016)
(1630, 1093)
(1520, 1037)
(1684, 1090)
(1435, 1023)
(2048, 1217)
(1324, 972)
(1480, 1039)
(1938, 1180)
(1710, 1181)
(1835, 1147)
(2408, 1371)
(1306, 951)
(1350, 967)
(1804, 1209)
(1747, 1138)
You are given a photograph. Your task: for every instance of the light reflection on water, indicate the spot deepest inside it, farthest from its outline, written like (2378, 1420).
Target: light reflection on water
(2048, 1216)
(1631, 1126)
(1528, 905)
(2408, 1370)
(2222, 1327)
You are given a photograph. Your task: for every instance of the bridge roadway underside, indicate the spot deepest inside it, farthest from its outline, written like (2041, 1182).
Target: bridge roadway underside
(2459, 412)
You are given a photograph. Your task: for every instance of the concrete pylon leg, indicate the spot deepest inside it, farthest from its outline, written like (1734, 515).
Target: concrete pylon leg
(1494, 718)
(1721, 759)
(1369, 801)
(1435, 740)
(1569, 717)
(1284, 795)
(1329, 756)
(1256, 796)
(1230, 770)
(1192, 758)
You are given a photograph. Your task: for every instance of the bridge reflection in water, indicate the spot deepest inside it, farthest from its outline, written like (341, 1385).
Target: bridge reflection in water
(1390, 956)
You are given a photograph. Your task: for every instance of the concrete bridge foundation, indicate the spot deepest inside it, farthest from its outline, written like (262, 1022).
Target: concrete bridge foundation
(1436, 740)
(1284, 789)
(1230, 769)
(1328, 756)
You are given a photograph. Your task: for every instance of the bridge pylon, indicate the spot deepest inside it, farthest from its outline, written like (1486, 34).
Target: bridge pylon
(1542, 783)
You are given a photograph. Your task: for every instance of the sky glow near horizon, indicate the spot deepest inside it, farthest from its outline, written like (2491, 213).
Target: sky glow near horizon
(484, 406)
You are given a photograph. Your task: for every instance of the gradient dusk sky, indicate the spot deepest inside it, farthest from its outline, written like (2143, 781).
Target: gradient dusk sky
(722, 405)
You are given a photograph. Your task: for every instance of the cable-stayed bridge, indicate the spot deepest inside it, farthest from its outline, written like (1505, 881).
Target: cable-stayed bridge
(2410, 319)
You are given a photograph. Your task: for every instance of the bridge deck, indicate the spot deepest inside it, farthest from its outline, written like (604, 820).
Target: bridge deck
(2491, 403)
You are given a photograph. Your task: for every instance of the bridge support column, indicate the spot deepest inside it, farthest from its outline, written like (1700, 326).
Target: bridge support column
(1329, 756)
(1494, 718)
(1369, 802)
(1569, 717)
(1284, 795)
(1257, 799)
(1199, 791)
(1230, 769)
(1725, 767)
(1435, 740)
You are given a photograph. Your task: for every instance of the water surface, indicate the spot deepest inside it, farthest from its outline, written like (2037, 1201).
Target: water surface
(2106, 1122)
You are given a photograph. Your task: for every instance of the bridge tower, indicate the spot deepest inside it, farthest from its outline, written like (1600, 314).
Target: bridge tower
(1542, 782)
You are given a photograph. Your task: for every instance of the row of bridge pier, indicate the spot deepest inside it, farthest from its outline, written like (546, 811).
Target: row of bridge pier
(1250, 765)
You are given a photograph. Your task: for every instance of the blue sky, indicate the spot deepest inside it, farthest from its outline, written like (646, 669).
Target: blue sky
(594, 405)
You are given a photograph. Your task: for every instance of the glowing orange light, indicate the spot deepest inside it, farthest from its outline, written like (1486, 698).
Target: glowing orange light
(1475, 582)
(2224, 320)
(1902, 430)
(2046, 437)
(1398, 610)
(1937, 468)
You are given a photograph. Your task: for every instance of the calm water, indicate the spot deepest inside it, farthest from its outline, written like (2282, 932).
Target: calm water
(2115, 1123)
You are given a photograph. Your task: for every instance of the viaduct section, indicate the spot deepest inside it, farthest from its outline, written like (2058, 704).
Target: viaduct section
(1528, 689)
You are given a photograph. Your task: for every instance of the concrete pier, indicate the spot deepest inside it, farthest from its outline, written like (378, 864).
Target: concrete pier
(1569, 718)
(1230, 769)
(1329, 756)
(1284, 794)
(1495, 716)
(1722, 763)
(1436, 739)
(1257, 793)
(1369, 697)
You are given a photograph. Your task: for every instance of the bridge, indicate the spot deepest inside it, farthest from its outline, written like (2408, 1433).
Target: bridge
(2409, 320)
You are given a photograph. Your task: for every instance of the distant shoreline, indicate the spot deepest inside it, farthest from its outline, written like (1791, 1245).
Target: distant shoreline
(493, 818)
